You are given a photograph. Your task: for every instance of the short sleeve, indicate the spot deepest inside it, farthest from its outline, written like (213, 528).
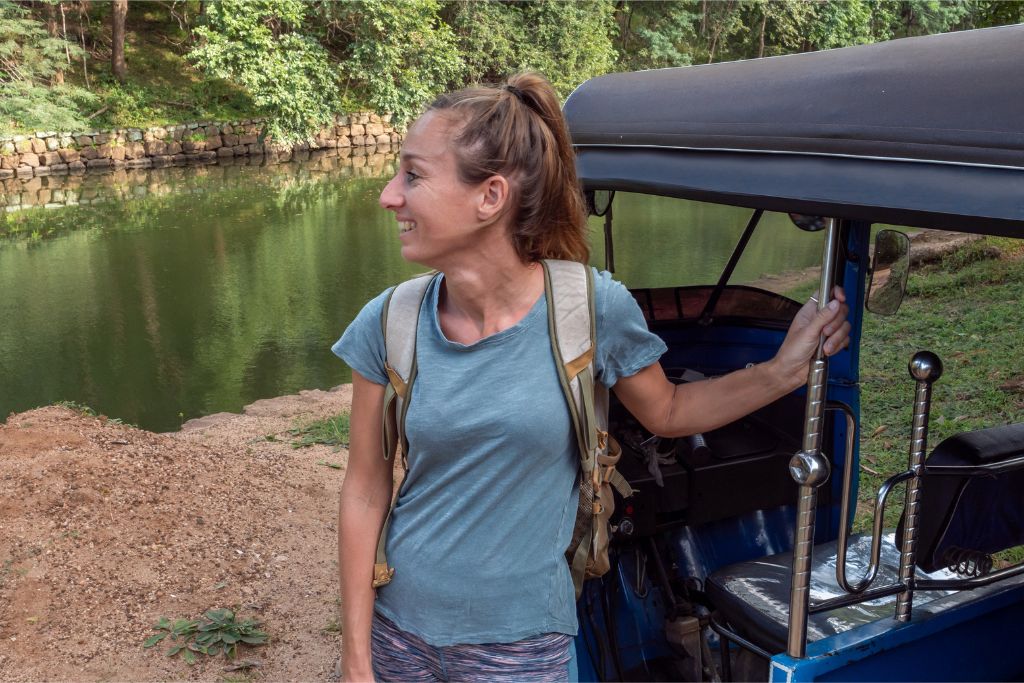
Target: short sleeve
(624, 344)
(362, 344)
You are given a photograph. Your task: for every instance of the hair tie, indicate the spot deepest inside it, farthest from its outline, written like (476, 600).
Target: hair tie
(515, 91)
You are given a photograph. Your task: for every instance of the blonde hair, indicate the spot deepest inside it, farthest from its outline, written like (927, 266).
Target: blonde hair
(518, 131)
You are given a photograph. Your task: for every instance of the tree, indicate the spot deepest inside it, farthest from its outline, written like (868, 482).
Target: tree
(29, 60)
(119, 12)
(262, 45)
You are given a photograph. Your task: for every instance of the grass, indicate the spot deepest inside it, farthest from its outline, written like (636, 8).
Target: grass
(967, 310)
(331, 431)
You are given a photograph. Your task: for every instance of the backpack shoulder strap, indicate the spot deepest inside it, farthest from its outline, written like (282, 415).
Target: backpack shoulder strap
(569, 288)
(399, 321)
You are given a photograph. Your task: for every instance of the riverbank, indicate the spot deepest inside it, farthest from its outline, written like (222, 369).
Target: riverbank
(104, 528)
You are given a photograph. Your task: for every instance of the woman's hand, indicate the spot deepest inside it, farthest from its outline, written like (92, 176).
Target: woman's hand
(801, 342)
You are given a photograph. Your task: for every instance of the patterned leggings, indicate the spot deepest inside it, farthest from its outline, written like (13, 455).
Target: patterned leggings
(400, 656)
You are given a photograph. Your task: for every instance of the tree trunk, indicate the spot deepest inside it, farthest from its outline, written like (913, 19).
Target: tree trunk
(51, 28)
(764, 20)
(117, 17)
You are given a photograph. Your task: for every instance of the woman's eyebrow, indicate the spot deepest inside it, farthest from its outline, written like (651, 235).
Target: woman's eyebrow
(411, 156)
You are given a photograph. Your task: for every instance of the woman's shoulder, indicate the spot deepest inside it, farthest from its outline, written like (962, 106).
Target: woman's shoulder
(610, 295)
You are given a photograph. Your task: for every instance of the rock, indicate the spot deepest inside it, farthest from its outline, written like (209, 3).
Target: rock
(173, 147)
(117, 152)
(224, 152)
(38, 145)
(103, 162)
(239, 150)
(229, 140)
(144, 162)
(9, 161)
(42, 171)
(76, 167)
(22, 146)
(383, 139)
(226, 129)
(134, 150)
(155, 147)
(374, 129)
(162, 161)
(84, 141)
(102, 138)
(52, 143)
(6, 173)
(89, 152)
(134, 135)
(68, 154)
(24, 171)
(50, 158)
(59, 169)
(30, 159)
(248, 139)
(357, 129)
(213, 142)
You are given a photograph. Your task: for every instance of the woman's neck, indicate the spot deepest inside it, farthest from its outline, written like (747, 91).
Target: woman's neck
(487, 295)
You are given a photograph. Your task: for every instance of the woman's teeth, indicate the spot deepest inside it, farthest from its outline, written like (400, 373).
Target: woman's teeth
(405, 226)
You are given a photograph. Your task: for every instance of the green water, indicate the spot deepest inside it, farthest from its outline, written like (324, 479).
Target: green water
(204, 292)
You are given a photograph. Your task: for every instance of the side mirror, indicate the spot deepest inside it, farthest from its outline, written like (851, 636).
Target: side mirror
(809, 223)
(599, 201)
(890, 267)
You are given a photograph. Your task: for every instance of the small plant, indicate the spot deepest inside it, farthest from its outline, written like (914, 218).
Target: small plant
(218, 631)
(198, 136)
(331, 431)
(80, 408)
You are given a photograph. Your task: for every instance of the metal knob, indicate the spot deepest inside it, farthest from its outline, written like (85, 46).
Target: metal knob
(925, 366)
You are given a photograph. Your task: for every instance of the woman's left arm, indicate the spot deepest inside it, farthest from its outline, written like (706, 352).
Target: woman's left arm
(669, 410)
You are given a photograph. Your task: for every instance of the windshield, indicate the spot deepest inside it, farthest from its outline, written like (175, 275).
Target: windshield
(668, 242)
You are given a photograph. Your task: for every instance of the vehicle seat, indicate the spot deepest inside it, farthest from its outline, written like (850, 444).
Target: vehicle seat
(966, 517)
(753, 597)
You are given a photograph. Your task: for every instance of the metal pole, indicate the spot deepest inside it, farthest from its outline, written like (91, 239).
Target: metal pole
(808, 467)
(925, 367)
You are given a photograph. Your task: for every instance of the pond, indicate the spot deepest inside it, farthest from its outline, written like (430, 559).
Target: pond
(161, 295)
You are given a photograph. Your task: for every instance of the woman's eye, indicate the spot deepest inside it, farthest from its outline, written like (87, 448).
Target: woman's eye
(411, 176)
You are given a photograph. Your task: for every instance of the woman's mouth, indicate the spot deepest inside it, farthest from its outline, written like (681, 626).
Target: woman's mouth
(405, 226)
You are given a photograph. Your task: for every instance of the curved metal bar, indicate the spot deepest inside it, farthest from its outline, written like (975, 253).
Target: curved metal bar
(967, 584)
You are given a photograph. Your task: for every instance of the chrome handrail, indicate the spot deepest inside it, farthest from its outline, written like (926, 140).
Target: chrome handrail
(808, 467)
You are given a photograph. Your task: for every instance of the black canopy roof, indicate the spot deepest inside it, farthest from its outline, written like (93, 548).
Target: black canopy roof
(922, 131)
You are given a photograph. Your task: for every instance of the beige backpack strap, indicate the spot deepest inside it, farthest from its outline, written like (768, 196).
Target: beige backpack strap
(399, 321)
(572, 321)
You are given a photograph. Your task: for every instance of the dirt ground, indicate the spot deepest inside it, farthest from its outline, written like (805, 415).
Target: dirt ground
(105, 528)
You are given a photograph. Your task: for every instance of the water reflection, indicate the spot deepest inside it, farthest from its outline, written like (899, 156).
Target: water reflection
(159, 295)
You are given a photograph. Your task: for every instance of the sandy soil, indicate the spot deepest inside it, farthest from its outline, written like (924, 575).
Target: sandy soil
(105, 528)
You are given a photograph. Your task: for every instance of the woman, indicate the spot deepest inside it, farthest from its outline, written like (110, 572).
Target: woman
(486, 189)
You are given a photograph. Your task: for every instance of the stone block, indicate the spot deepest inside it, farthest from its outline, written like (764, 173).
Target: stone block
(375, 118)
(83, 141)
(117, 163)
(117, 152)
(229, 140)
(193, 146)
(59, 169)
(9, 161)
(374, 129)
(364, 117)
(357, 129)
(239, 150)
(155, 147)
(224, 152)
(38, 145)
(104, 138)
(383, 139)
(67, 154)
(144, 162)
(22, 146)
(6, 173)
(248, 139)
(160, 133)
(29, 159)
(227, 129)
(24, 171)
(162, 161)
(176, 133)
(103, 162)
(173, 147)
(76, 167)
(213, 142)
(50, 158)
(52, 143)
(89, 152)
(255, 150)
(134, 135)
(205, 156)
(344, 142)
(42, 170)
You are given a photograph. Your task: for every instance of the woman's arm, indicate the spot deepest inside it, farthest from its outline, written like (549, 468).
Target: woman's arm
(669, 409)
(365, 500)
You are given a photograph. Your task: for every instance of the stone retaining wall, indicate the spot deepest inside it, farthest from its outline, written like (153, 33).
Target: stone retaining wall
(52, 153)
(124, 184)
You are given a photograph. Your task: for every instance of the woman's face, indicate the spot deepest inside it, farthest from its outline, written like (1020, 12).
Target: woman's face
(439, 217)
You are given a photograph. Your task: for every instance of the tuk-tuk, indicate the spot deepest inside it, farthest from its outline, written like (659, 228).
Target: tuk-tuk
(735, 560)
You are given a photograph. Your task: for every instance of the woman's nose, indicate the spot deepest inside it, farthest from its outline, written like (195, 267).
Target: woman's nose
(390, 196)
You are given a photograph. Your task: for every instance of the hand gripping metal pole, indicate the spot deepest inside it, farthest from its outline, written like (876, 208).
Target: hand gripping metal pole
(808, 467)
(925, 367)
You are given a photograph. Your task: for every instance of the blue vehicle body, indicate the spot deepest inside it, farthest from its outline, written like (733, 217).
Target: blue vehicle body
(923, 132)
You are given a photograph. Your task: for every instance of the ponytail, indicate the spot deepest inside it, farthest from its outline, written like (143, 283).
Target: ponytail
(518, 131)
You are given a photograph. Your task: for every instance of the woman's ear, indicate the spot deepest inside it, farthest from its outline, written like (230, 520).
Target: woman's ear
(494, 195)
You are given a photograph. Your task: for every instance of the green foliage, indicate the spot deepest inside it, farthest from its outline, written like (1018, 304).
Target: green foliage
(331, 431)
(30, 60)
(80, 408)
(218, 631)
(260, 44)
(400, 56)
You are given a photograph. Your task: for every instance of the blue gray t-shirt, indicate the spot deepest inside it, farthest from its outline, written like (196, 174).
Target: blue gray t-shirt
(478, 535)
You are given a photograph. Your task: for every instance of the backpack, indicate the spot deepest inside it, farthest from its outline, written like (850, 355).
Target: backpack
(569, 292)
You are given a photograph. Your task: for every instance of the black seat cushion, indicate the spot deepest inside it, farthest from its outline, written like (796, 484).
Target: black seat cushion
(753, 596)
(982, 512)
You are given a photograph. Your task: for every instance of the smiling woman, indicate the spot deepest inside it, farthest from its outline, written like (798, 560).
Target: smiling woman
(486, 194)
